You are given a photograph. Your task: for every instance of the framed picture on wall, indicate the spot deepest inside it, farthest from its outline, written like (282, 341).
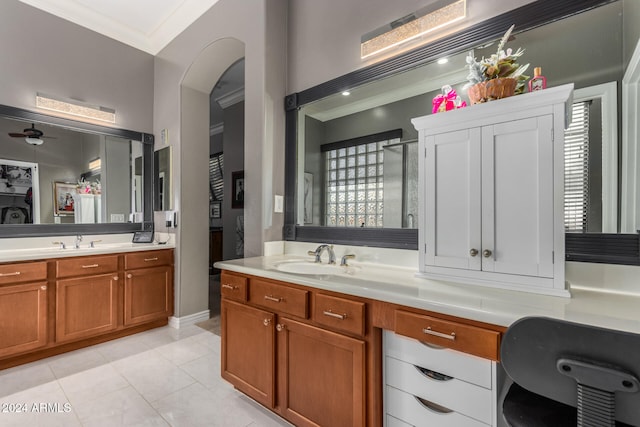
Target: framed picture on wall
(215, 210)
(63, 193)
(237, 190)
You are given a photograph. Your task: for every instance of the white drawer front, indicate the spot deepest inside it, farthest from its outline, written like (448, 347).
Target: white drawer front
(394, 422)
(459, 396)
(459, 365)
(406, 407)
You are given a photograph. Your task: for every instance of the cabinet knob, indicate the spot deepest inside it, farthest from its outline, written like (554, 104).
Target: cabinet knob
(473, 252)
(486, 253)
(44, 288)
(129, 276)
(266, 322)
(280, 327)
(115, 278)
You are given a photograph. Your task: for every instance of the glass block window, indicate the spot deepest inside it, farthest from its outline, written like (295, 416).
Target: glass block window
(354, 180)
(216, 178)
(576, 169)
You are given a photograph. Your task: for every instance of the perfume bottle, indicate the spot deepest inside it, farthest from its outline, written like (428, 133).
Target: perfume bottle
(538, 82)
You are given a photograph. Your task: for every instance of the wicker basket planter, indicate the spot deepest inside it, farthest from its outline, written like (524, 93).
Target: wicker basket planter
(491, 89)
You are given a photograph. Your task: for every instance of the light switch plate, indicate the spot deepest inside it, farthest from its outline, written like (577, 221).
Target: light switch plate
(278, 204)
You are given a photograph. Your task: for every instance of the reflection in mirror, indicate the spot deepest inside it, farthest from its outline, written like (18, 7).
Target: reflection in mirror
(162, 195)
(584, 49)
(82, 178)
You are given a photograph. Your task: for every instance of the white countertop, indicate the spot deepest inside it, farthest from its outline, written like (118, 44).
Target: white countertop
(27, 249)
(614, 310)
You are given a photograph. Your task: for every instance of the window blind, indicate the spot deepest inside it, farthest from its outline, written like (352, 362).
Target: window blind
(576, 169)
(216, 181)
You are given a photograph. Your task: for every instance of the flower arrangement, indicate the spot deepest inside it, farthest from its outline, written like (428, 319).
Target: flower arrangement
(88, 187)
(500, 65)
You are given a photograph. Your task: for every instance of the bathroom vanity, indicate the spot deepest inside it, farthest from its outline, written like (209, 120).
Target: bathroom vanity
(57, 300)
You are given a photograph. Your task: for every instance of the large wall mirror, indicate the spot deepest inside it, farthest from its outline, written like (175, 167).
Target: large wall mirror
(76, 178)
(352, 160)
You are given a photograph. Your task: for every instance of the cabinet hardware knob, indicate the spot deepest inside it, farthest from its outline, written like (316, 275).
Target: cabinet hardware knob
(486, 253)
(115, 278)
(44, 288)
(473, 252)
(129, 276)
(280, 327)
(272, 298)
(266, 322)
(91, 266)
(429, 331)
(227, 286)
(335, 315)
(150, 259)
(15, 273)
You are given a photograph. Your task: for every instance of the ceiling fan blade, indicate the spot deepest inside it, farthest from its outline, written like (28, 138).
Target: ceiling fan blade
(17, 135)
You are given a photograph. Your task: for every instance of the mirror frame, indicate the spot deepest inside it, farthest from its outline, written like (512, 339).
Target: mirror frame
(38, 230)
(585, 247)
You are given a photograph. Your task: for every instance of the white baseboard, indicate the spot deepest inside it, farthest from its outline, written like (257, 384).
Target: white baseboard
(191, 319)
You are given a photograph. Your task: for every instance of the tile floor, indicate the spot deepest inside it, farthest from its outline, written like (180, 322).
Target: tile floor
(162, 377)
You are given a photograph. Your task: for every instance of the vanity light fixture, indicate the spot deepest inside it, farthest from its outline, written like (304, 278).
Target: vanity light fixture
(412, 26)
(75, 108)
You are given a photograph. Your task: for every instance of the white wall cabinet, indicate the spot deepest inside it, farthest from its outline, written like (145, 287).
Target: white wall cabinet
(492, 192)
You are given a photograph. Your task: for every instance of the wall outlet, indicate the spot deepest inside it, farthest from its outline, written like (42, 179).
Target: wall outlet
(117, 218)
(278, 204)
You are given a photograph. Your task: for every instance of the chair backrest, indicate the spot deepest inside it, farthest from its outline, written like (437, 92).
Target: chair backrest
(552, 357)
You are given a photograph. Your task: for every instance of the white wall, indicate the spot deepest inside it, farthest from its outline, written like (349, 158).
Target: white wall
(185, 71)
(324, 36)
(44, 53)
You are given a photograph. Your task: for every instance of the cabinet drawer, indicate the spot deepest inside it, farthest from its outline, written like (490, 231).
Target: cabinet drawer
(460, 396)
(339, 313)
(233, 287)
(472, 369)
(421, 413)
(86, 266)
(394, 422)
(147, 259)
(469, 339)
(23, 272)
(282, 299)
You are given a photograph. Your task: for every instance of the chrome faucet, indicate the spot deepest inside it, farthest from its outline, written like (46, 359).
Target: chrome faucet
(318, 253)
(78, 240)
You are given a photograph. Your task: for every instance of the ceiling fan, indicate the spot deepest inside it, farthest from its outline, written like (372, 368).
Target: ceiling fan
(31, 135)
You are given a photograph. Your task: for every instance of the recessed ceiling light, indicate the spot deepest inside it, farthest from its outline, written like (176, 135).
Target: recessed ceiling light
(346, 93)
(443, 61)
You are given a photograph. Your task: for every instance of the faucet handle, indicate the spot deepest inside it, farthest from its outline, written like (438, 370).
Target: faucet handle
(93, 242)
(62, 245)
(343, 261)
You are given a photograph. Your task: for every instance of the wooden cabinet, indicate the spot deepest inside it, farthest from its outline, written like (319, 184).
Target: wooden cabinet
(148, 290)
(23, 307)
(56, 305)
(86, 297)
(491, 193)
(280, 348)
(321, 376)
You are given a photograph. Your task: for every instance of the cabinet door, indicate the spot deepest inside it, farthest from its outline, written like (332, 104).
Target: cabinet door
(23, 318)
(321, 376)
(86, 306)
(452, 211)
(248, 350)
(148, 295)
(517, 197)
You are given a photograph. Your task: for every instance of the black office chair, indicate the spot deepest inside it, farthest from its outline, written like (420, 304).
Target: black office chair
(569, 374)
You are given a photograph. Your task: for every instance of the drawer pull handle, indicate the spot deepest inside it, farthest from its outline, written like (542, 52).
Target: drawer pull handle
(433, 407)
(429, 331)
(15, 273)
(91, 266)
(436, 376)
(150, 259)
(335, 315)
(227, 286)
(272, 298)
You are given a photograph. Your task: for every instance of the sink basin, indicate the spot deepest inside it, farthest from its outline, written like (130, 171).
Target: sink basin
(313, 268)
